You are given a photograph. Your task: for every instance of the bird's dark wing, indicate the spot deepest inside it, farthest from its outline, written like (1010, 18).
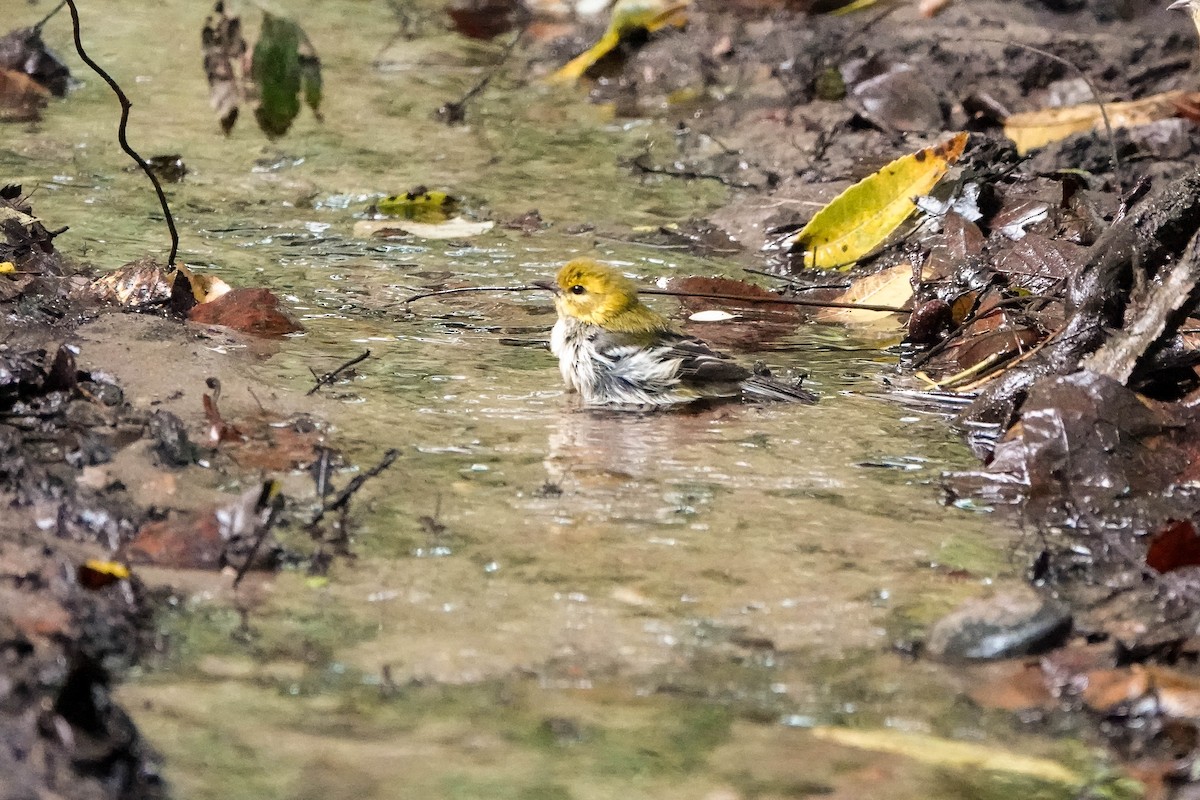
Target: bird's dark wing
(700, 364)
(701, 370)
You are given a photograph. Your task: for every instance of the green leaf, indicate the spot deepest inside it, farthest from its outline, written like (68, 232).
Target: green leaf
(283, 65)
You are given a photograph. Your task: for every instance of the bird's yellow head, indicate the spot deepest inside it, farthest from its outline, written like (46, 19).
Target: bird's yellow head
(598, 294)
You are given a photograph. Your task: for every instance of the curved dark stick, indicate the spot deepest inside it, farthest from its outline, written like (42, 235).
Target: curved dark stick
(121, 138)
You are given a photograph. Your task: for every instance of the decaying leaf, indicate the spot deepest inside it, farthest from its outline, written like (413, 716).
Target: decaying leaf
(454, 228)
(628, 17)
(273, 75)
(224, 53)
(892, 287)
(139, 283)
(1033, 129)
(950, 754)
(21, 97)
(253, 311)
(861, 218)
(421, 204)
(1175, 545)
(205, 288)
(96, 574)
(484, 19)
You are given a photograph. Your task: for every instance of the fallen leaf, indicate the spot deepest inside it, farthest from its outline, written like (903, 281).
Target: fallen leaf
(205, 288)
(628, 18)
(139, 283)
(454, 228)
(861, 218)
(484, 19)
(274, 75)
(183, 541)
(892, 287)
(420, 204)
(950, 754)
(1174, 693)
(96, 574)
(253, 311)
(1033, 129)
(224, 48)
(747, 325)
(21, 97)
(1175, 545)
(7, 266)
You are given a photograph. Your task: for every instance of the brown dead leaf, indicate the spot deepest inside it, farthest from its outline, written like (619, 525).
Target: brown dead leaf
(21, 97)
(1018, 687)
(892, 287)
(181, 541)
(280, 447)
(253, 311)
(484, 19)
(1175, 693)
(1033, 129)
(1175, 545)
(747, 324)
(139, 283)
(224, 48)
(23, 51)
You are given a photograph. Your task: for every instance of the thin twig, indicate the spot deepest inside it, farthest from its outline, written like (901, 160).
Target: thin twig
(38, 28)
(468, 289)
(787, 301)
(264, 528)
(343, 497)
(650, 169)
(455, 112)
(329, 377)
(121, 138)
(1118, 170)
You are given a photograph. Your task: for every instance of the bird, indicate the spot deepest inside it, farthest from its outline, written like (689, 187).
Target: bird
(616, 352)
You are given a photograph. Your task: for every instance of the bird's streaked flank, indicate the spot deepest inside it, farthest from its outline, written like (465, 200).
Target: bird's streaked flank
(616, 352)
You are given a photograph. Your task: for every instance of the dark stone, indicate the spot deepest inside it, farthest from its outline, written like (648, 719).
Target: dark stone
(1008, 625)
(171, 442)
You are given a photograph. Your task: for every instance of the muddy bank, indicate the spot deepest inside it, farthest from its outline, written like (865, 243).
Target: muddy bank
(97, 472)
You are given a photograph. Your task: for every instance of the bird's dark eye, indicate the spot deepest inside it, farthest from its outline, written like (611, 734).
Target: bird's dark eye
(577, 289)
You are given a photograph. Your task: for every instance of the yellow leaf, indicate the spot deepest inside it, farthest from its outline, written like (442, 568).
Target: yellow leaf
(849, 8)
(96, 574)
(420, 204)
(1033, 129)
(117, 570)
(892, 287)
(628, 16)
(7, 266)
(861, 218)
(205, 288)
(950, 754)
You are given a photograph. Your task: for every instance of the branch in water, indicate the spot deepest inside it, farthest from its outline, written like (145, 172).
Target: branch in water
(121, 138)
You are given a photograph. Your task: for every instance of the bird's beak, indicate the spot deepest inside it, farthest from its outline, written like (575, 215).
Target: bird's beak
(549, 286)
(1180, 4)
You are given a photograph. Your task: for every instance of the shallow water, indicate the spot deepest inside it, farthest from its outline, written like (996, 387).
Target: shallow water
(596, 605)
